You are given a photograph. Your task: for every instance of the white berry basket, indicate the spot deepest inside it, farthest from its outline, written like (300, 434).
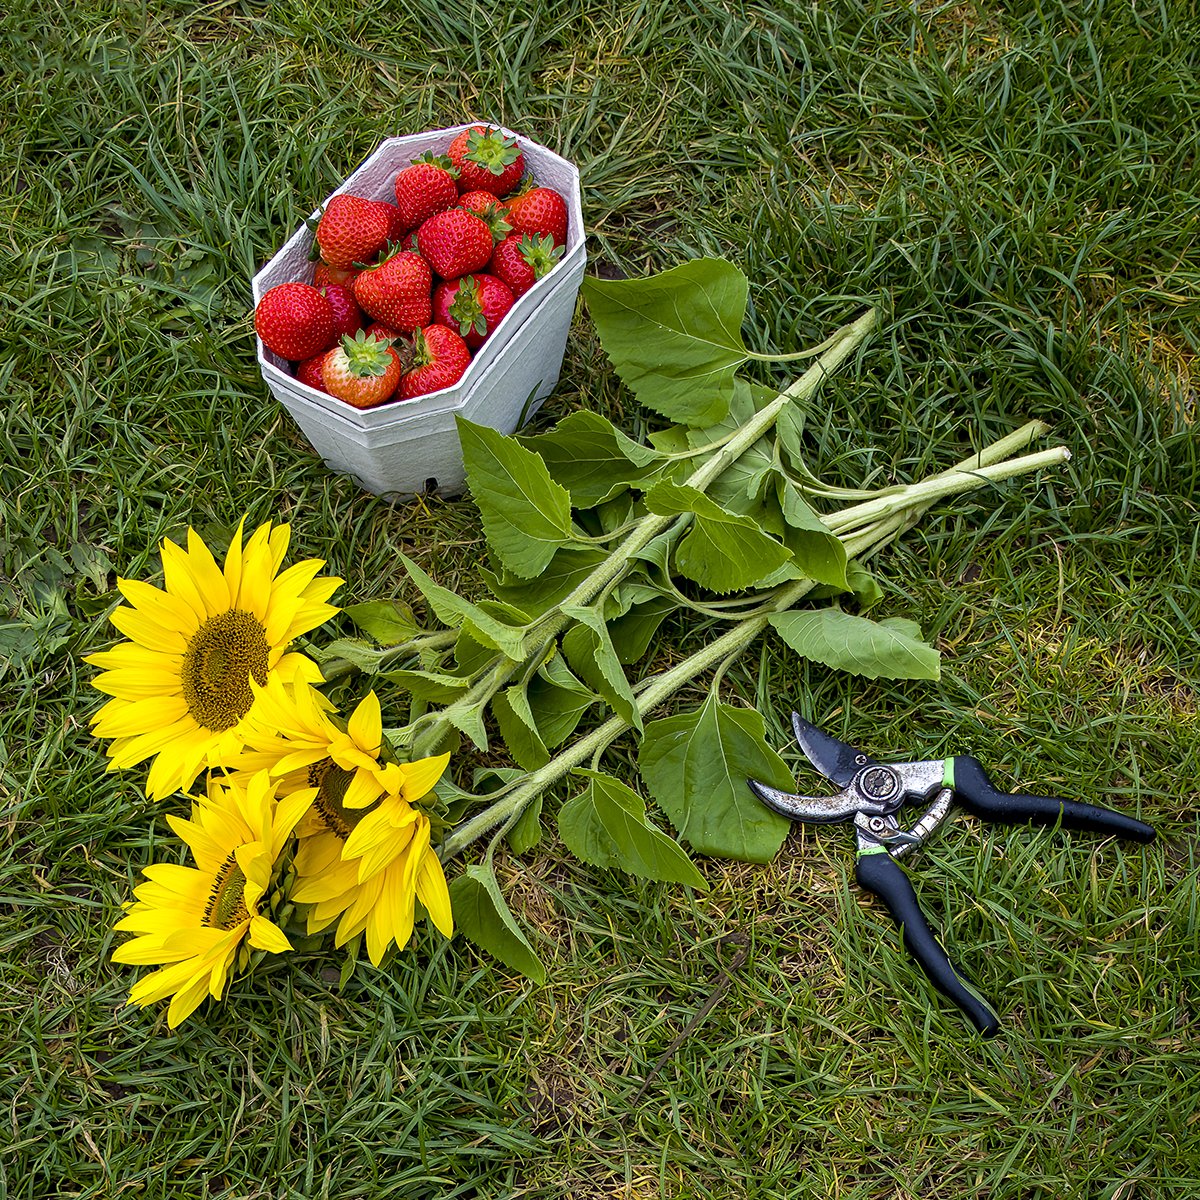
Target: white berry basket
(411, 446)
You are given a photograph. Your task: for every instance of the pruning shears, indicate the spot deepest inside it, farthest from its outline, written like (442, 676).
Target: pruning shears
(872, 794)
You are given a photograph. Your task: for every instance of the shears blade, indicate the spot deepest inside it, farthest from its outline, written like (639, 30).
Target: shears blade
(837, 761)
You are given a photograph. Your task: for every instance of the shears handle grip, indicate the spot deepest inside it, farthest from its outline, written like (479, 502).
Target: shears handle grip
(883, 876)
(977, 794)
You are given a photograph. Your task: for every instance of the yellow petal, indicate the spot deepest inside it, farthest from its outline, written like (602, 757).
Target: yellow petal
(266, 935)
(138, 683)
(134, 623)
(161, 607)
(180, 581)
(130, 718)
(365, 726)
(233, 563)
(131, 656)
(434, 894)
(420, 776)
(207, 575)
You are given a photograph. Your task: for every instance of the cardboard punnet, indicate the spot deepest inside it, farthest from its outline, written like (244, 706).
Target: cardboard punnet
(411, 446)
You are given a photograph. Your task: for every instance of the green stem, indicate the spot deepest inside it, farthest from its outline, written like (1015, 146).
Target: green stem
(336, 668)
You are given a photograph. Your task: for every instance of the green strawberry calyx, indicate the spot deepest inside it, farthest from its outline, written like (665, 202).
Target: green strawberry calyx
(540, 252)
(365, 356)
(467, 309)
(438, 160)
(491, 149)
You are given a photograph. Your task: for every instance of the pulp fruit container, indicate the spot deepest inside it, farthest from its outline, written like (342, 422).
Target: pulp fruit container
(411, 446)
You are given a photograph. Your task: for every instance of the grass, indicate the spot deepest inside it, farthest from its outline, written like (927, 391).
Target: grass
(1018, 183)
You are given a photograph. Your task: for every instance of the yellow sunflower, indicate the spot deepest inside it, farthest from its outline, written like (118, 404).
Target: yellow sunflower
(291, 733)
(195, 919)
(183, 686)
(366, 870)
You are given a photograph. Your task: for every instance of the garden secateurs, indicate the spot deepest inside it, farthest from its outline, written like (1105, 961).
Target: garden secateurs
(872, 794)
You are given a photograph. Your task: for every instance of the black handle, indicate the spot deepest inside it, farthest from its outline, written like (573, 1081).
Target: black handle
(882, 875)
(973, 787)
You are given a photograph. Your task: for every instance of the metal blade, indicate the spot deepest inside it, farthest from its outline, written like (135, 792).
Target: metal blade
(835, 760)
(817, 810)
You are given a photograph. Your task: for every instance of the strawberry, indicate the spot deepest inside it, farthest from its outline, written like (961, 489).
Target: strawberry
(324, 274)
(539, 210)
(522, 259)
(346, 315)
(396, 291)
(492, 210)
(425, 187)
(309, 371)
(352, 230)
(397, 227)
(362, 371)
(487, 161)
(382, 332)
(295, 321)
(455, 243)
(474, 305)
(440, 357)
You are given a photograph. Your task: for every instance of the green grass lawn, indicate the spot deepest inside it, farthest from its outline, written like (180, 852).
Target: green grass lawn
(1018, 184)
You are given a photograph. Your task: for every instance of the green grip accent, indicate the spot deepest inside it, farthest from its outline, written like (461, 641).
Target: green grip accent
(872, 850)
(948, 773)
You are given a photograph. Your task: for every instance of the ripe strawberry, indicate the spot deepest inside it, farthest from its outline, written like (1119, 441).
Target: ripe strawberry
(539, 210)
(396, 227)
(352, 230)
(324, 274)
(474, 305)
(522, 259)
(295, 321)
(426, 187)
(309, 371)
(346, 315)
(382, 332)
(362, 371)
(455, 243)
(396, 291)
(492, 210)
(440, 357)
(487, 161)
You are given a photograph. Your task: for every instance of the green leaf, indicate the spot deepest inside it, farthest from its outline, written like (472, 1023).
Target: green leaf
(389, 622)
(519, 729)
(591, 457)
(818, 552)
(696, 765)
(526, 515)
(430, 686)
(470, 722)
(721, 550)
(675, 338)
(562, 575)
(632, 634)
(889, 649)
(606, 826)
(558, 701)
(452, 610)
(589, 650)
(482, 915)
(367, 657)
(527, 832)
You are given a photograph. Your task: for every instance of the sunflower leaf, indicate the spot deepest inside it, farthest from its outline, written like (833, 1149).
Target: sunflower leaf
(483, 916)
(888, 649)
(389, 622)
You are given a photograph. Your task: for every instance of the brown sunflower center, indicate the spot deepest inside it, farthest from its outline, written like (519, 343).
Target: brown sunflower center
(226, 907)
(331, 782)
(224, 654)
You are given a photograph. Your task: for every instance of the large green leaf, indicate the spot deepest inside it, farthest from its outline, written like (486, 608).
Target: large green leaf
(518, 727)
(889, 649)
(818, 552)
(482, 915)
(721, 550)
(606, 826)
(561, 576)
(632, 633)
(389, 622)
(696, 765)
(557, 701)
(591, 457)
(526, 515)
(675, 338)
(430, 686)
(589, 649)
(452, 610)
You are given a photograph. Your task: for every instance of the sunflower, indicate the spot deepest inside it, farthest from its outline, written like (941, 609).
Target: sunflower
(366, 870)
(195, 919)
(183, 686)
(291, 733)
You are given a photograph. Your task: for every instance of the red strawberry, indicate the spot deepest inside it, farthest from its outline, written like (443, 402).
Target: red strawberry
(396, 291)
(474, 305)
(346, 315)
(522, 259)
(324, 274)
(455, 243)
(397, 227)
(440, 357)
(492, 210)
(487, 161)
(362, 371)
(352, 230)
(309, 371)
(426, 187)
(539, 210)
(382, 332)
(295, 321)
